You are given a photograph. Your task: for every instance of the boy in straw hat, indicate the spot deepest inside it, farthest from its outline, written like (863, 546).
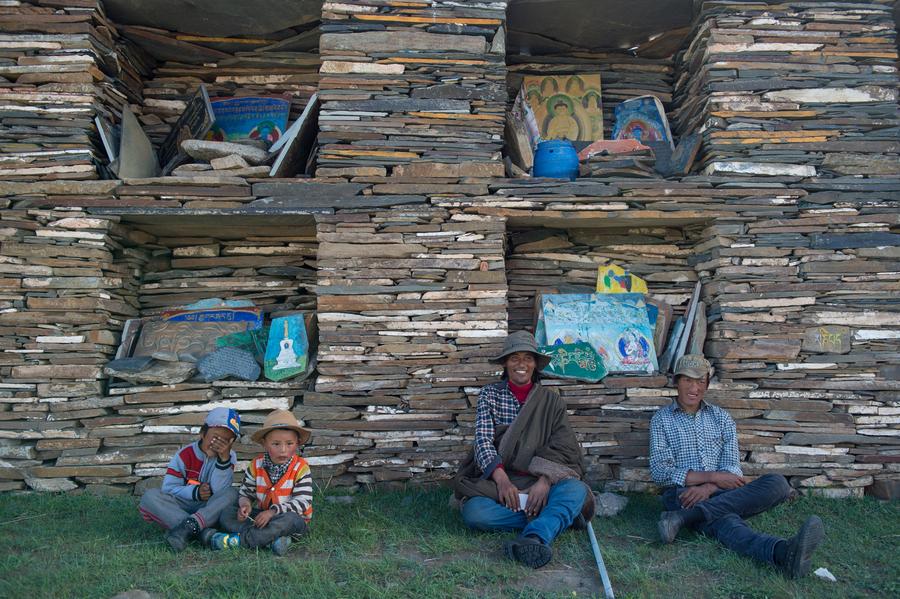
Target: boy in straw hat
(525, 470)
(280, 482)
(694, 457)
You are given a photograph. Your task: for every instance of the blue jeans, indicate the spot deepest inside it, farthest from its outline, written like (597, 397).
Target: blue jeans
(563, 505)
(724, 513)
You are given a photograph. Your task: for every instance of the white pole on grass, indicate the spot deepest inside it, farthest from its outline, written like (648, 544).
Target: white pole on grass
(604, 576)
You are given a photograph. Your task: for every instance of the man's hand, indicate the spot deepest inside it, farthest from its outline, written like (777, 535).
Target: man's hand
(727, 480)
(243, 509)
(507, 492)
(691, 496)
(204, 491)
(263, 518)
(537, 497)
(221, 448)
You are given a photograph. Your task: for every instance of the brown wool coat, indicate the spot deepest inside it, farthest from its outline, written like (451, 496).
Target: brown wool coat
(539, 441)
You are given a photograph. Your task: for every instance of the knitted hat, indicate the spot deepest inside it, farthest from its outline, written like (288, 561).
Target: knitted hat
(522, 341)
(224, 418)
(281, 420)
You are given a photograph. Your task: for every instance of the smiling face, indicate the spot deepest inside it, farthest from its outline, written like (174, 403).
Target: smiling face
(520, 367)
(281, 445)
(690, 392)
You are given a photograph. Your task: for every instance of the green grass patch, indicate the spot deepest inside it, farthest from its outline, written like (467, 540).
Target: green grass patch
(410, 544)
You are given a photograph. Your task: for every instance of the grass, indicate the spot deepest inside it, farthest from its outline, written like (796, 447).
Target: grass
(409, 544)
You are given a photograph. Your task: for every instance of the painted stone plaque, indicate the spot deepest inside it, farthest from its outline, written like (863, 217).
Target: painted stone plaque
(612, 278)
(566, 106)
(615, 325)
(574, 361)
(287, 349)
(830, 339)
(643, 119)
(188, 335)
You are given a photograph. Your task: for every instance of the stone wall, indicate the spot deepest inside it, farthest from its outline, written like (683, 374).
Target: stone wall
(406, 82)
(422, 257)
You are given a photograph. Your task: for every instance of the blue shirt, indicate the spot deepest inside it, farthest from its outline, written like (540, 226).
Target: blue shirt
(705, 441)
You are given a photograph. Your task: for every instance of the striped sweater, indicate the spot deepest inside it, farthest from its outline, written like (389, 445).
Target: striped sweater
(292, 495)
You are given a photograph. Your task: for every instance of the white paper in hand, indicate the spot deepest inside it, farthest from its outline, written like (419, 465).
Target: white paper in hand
(523, 499)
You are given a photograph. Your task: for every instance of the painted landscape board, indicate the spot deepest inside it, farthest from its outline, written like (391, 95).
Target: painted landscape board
(262, 118)
(644, 119)
(615, 325)
(566, 106)
(287, 350)
(578, 361)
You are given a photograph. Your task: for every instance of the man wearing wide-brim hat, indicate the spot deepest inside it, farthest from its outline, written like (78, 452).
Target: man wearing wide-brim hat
(524, 471)
(694, 457)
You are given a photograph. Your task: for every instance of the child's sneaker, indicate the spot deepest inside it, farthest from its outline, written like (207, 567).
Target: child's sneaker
(222, 540)
(280, 545)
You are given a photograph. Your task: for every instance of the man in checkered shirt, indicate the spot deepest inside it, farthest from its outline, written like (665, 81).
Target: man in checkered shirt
(694, 457)
(525, 470)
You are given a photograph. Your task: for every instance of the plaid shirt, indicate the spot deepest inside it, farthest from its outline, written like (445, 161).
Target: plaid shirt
(497, 406)
(679, 442)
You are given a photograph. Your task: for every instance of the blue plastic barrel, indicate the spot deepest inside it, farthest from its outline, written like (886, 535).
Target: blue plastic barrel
(556, 158)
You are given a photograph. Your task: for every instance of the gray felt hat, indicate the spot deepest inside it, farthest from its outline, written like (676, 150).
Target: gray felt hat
(522, 341)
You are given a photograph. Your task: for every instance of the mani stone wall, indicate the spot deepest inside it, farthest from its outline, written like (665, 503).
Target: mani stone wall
(800, 280)
(411, 306)
(402, 82)
(799, 269)
(804, 89)
(62, 66)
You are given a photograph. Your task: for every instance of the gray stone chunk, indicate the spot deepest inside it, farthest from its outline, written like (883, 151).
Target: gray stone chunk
(610, 504)
(167, 373)
(226, 362)
(132, 365)
(200, 149)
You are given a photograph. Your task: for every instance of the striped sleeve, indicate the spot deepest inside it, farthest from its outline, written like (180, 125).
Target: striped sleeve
(248, 485)
(300, 500)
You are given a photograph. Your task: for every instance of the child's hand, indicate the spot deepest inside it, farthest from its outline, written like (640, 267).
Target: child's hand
(221, 448)
(204, 491)
(243, 510)
(263, 518)
(243, 513)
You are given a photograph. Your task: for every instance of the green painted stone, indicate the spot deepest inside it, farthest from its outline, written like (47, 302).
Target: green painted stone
(574, 361)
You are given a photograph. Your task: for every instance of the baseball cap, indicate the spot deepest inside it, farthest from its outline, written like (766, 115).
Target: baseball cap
(693, 365)
(225, 418)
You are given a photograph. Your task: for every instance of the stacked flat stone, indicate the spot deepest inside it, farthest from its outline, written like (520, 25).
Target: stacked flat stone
(406, 82)
(800, 89)
(411, 305)
(274, 269)
(63, 65)
(68, 287)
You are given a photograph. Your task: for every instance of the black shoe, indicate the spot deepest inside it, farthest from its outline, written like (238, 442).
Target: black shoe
(178, 537)
(530, 551)
(668, 526)
(206, 535)
(798, 558)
